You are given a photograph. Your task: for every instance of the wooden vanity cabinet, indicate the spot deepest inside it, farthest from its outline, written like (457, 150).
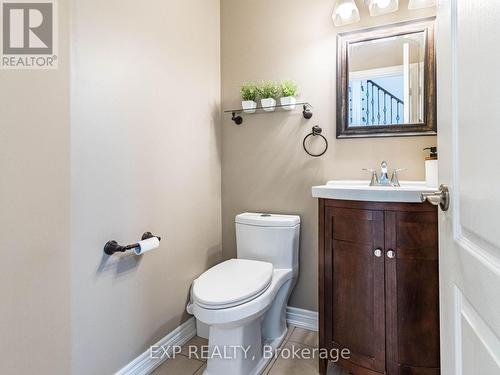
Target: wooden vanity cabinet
(378, 286)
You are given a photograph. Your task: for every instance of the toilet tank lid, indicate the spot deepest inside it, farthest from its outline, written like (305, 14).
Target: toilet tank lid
(267, 220)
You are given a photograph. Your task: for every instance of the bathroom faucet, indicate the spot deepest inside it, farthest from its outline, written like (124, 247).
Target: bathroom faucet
(384, 177)
(383, 180)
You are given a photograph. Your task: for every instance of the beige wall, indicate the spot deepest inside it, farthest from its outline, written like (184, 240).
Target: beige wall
(34, 217)
(264, 166)
(145, 156)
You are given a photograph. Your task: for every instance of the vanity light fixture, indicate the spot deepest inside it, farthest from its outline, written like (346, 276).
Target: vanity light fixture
(345, 12)
(379, 7)
(418, 4)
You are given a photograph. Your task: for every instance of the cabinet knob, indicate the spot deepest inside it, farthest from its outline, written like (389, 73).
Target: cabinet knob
(378, 253)
(391, 254)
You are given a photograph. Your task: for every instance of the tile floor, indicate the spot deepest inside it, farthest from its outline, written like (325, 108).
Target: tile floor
(183, 365)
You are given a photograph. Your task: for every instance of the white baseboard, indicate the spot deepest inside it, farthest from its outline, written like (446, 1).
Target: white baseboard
(302, 318)
(144, 364)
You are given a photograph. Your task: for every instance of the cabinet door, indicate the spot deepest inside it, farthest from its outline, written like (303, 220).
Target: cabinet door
(412, 293)
(355, 316)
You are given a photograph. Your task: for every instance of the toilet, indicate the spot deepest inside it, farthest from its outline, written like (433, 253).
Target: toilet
(243, 300)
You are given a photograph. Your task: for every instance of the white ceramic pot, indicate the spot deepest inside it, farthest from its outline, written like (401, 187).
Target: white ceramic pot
(288, 102)
(248, 106)
(268, 104)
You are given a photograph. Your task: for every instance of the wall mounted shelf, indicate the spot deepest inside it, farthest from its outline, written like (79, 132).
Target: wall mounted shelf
(237, 114)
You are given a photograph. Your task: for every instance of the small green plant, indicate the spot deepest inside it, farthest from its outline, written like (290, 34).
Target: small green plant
(268, 89)
(288, 88)
(249, 92)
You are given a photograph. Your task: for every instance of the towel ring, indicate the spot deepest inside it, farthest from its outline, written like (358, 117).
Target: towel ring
(316, 130)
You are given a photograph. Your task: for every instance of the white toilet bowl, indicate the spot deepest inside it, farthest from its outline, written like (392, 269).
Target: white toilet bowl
(243, 301)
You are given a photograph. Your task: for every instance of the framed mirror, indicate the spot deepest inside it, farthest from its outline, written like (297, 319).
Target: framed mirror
(386, 81)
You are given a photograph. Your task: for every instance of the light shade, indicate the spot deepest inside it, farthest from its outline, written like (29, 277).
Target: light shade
(345, 12)
(379, 7)
(417, 4)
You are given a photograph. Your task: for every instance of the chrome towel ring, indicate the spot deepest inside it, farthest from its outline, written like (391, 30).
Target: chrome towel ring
(316, 131)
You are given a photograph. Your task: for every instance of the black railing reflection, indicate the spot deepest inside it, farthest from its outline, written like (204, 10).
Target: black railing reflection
(378, 107)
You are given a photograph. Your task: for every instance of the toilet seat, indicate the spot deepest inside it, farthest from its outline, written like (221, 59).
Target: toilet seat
(232, 283)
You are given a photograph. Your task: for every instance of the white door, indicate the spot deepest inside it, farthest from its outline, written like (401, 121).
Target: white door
(468, 51)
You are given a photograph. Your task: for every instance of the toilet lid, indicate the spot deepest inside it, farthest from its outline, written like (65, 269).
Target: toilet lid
(231, 283)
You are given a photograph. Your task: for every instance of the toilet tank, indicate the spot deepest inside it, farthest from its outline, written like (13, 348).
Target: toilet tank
(269, 238)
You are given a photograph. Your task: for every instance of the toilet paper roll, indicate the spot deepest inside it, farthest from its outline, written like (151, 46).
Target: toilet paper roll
(147, 245)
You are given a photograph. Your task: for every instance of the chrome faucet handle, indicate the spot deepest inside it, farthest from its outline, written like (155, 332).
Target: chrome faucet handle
(374, 181)
(394, 178)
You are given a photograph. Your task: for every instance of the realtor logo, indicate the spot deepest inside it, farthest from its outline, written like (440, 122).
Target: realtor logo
(29, 35)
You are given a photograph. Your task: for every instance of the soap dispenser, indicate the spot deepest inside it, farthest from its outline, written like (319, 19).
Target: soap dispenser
(431, 167)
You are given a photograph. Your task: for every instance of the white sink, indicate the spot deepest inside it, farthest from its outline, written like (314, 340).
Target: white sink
(408, 192)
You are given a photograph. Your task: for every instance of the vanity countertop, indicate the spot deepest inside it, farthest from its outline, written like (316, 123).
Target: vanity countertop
(408, 192)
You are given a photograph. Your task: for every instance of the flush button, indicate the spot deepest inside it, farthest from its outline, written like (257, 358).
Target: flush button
(265, 215)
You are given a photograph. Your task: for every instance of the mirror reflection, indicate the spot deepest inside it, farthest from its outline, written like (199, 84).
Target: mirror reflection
(386, 81)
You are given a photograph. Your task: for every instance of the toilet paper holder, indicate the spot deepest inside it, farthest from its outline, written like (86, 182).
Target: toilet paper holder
(113, 247)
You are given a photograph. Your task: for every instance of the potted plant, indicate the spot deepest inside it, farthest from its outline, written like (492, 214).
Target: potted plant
(249, 97)
(288, 92)
(268, 91)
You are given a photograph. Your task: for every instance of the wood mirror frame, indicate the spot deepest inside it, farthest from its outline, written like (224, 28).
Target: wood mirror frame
(344, 40)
